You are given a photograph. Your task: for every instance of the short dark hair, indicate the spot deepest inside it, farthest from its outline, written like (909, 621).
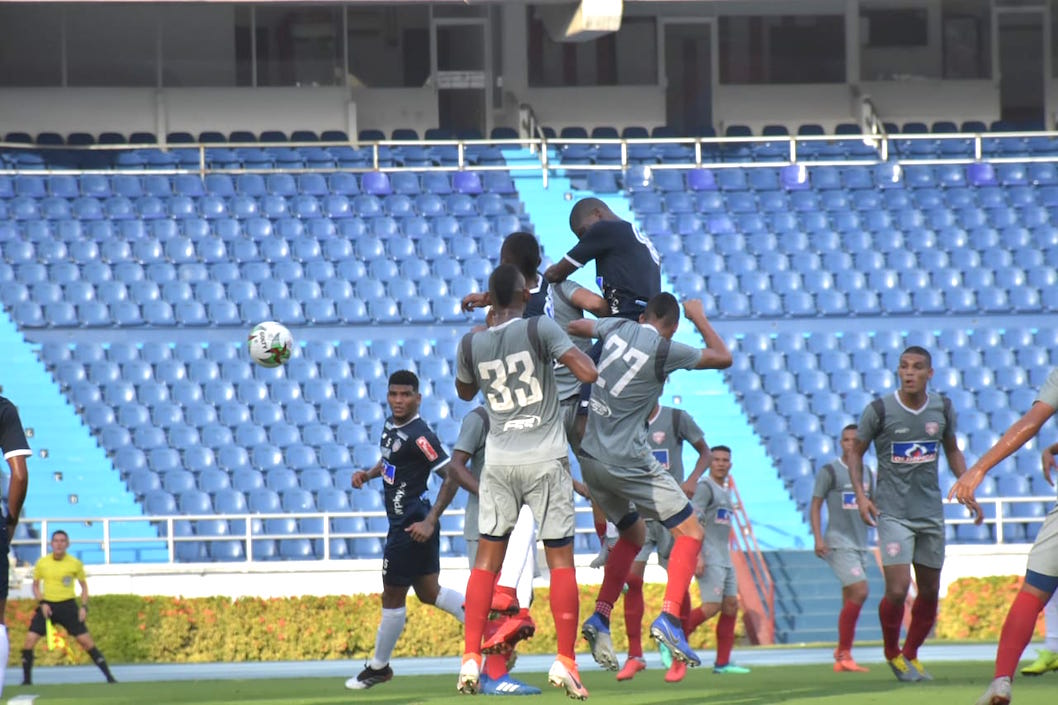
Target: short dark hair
(850, 427)
(663, 308)
(581, 210)
(918, 350)
(59, 531)
(405, 378)
(505, 283)
(523, 251)
(725, 449)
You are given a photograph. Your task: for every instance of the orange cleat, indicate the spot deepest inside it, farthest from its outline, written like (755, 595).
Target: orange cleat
(509, 632)
(843, 662)
(632, 666)
(676, 671)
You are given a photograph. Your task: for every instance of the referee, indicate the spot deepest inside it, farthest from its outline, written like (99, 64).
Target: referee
(57, 571)
(16, 450)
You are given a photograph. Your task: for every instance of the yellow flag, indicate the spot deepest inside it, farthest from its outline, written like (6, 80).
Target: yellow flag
(53, 637)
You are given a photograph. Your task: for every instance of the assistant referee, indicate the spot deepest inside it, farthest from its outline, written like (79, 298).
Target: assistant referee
(57, 571)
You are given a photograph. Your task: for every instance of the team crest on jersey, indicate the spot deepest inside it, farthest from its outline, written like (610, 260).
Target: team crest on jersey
(932, 428)
(658, 436)
(396, 445)
(426, 448)
(914, 452)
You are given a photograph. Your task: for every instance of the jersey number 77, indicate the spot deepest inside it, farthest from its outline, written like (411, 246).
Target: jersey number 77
(618, 349)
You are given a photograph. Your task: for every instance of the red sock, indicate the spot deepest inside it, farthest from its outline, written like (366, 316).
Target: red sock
(1017, 632)
(850, 613)
(685, 612)
(891, 617)
(694, 620)
(634, 615)
(565, 608)
(725, 639)
(496, 666)
(682, 561)
(477, 603)
(923, 616)
(614, 575)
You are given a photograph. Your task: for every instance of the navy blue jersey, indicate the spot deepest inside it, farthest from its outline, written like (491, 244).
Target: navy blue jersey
(410, 452)
(12, 435)
(537, 304)
(626, 264)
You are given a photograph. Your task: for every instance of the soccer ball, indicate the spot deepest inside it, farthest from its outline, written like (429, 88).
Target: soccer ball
(270, 344)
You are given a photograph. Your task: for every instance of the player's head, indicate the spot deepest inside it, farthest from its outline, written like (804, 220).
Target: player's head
(523, 251)
(662, 312)
(719, 463)
(507, 288)
(915, 370)
(403, 395)
(586, 213)
(848, 439)
(60, 541)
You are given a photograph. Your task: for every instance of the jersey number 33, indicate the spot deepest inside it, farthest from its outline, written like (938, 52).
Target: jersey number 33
(512, 382)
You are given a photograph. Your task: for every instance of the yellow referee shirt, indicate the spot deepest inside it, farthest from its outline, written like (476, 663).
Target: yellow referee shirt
(59, 576)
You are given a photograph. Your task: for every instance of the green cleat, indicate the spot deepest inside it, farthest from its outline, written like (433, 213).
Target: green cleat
(730, 668)
(1045, 661)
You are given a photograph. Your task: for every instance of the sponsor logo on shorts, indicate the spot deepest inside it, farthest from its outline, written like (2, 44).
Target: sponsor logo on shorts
(932, 428)
(848, 500)
(599, 407)
(521, 423)
(892, 549)
(428, 450)
(389, 473)
(662, 456)
(856, 571)
(914, 452)
(723, 516)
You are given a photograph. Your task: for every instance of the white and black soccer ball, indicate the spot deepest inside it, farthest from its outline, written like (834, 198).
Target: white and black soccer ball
(270, 344)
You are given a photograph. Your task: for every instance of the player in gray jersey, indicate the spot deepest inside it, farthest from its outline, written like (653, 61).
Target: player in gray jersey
(844, 545)
(717, 582)
(667, 430)
(620, 469)
(512, 364)
(909, 428)
(1041, 573)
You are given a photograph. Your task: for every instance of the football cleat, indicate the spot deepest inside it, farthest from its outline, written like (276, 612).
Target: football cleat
(917, 667)
(1045, 661)
(903, 670)
(667, 631)
(509, 632)
(998, 693)
(566, 676)
(597, 634)
(505, 685)
(843, 662)
(729, 668)
(676, 672)
(370, 677)
(504, 603)
(469, 675)
(632, 666)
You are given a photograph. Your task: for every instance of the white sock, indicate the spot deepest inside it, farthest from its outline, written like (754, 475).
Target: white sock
(5, 650)
(451, 602)
(1050, 619)
(519, 558)
(389, 630)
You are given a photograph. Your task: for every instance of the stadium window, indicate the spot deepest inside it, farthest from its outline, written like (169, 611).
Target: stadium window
(782, 49)
(967, 39)
(626, 57)
(298, 45)
(197, 45)
(389, 47)
(30, 45)
(112, 44)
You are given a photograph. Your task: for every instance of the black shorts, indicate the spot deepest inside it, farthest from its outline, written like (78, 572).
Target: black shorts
(63, 614)
(404, 560)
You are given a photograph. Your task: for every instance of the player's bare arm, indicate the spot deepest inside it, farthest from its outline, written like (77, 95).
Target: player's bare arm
(581, 489)
(581, 328)
(1048, 462)
(477, 299)
(816, 519)
(16, 493)
(580, 365)
(559, 271)
(591, 302)
(957, 463)
(715, 355)
(705, 457)
(422, 531)
(362, 476)
(466, 390)
(868, 512)
(459, 467)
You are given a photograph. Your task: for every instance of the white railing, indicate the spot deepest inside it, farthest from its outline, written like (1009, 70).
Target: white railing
(999, 521)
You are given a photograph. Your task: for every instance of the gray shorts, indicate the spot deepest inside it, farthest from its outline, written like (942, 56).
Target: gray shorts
(472, 551)
(849, 564)
(904, 541)
(658, 539)
(717, 582)
(647, 488)
(546, 487)
(568, 411)
(1043, 556)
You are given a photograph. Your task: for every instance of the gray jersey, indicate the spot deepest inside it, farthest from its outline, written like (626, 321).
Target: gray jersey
(633, 367)
(713, 504)
(513, 365)
(1049, 391)
(845, 528)
(471, 440)
(560, 307)
(666, 432)
(908, 444)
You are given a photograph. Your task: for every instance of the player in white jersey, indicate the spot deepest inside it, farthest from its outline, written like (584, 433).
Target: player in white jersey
(1041, 573)
(512, 364)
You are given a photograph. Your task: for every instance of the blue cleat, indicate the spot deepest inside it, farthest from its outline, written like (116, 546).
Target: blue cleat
(666, 631)
(505, 686)
(597, 634)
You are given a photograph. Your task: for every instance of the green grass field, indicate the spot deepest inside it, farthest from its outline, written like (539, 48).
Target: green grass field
(955, 684)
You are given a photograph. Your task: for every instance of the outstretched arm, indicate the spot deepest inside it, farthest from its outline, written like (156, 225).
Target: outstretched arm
(715, 356)
(560, 271)
(591, 302)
